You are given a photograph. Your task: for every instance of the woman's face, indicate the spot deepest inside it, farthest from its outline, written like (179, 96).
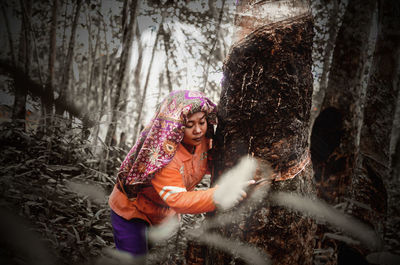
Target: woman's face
(195, 130)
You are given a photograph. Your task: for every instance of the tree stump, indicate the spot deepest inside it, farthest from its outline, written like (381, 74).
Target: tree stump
(264, 111)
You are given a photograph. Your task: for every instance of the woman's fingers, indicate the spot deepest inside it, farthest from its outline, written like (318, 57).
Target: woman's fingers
(243, 193)
(228, 196)
(250, 182)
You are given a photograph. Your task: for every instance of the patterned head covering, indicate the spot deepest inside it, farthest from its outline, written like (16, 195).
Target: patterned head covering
(159, 140)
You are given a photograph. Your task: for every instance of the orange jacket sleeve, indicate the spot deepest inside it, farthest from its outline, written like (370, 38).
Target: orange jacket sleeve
(169, 185)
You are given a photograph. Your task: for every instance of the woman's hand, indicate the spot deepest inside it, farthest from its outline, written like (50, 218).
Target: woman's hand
(226, 197)
(231, 188)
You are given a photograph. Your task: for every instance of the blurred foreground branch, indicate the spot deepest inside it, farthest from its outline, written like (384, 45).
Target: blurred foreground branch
(39, 90)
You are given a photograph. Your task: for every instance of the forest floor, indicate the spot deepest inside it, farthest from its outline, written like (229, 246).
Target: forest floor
(39, 176)
(53, 200)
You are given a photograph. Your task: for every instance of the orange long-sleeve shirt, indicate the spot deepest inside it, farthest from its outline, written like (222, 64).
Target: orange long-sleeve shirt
(171, 190)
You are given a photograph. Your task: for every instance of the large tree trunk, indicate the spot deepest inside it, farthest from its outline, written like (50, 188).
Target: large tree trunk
(264, 111)
(335, 139)
(374, 162)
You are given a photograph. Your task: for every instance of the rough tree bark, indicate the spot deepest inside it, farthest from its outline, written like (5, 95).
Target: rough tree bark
(335, 139)
(333, 26)
(264, 111)
(374, 161)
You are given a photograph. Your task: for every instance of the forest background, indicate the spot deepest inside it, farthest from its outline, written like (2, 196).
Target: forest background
(80, 79)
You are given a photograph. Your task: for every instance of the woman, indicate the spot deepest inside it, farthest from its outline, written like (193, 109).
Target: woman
(157, 178)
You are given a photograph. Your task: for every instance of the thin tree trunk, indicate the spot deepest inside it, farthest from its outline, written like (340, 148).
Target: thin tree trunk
(160, 85)
(264, 112)
(103, 83)
(68, 64)
(94, 63)
(166, 39)
(136, 82)
(9, 35)
(139, 65)
(98, 78)
(53, 31)
(333, 29)
(35, 51)
(140, 107)
(19, 107)
(203, 88)
(103, 74)
(90, 58)
(64, 37)
(127, 29)
(49, 95)
(93, 67)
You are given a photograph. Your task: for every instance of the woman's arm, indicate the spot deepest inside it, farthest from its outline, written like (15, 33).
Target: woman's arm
(169, 185)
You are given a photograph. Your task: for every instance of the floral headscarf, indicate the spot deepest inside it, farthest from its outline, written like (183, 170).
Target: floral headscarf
(159, 140)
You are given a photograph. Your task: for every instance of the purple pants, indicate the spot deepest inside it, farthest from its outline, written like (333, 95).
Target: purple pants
(130, 235)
